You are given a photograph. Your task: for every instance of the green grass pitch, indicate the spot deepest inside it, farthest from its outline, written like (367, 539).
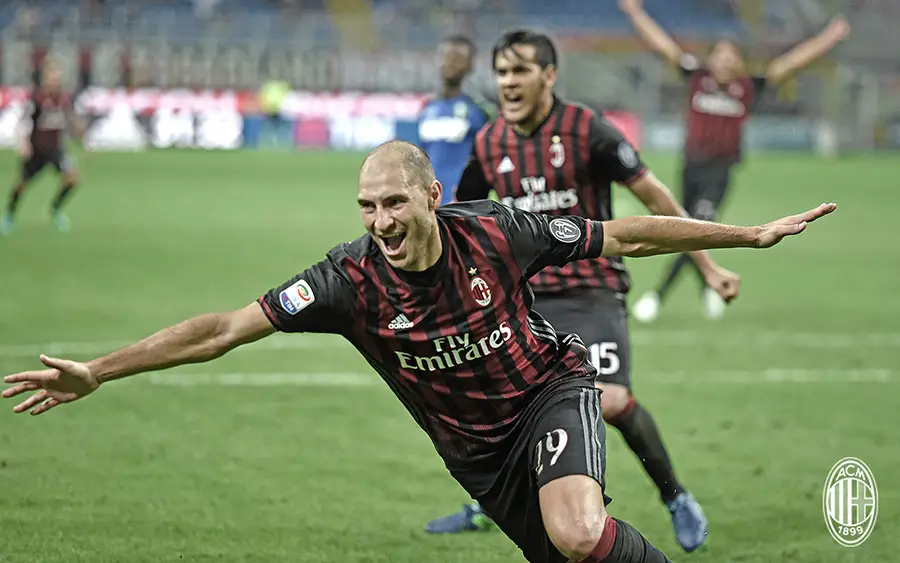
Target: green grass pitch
(317, 462)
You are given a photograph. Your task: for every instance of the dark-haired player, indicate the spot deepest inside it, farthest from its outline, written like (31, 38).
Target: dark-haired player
(437, 301)
(48, 113)
(546, 155)
(722, 95)
(449, 121)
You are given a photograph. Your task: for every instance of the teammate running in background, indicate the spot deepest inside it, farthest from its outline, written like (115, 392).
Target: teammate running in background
(546, 155)
(42, 129)
(722, 95)
(448, 122)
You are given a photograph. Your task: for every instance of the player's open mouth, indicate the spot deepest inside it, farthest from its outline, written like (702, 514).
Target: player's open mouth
(513, 100)
(394, 243)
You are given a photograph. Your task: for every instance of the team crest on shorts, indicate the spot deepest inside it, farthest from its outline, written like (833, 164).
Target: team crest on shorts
(850, 502)
(481, 291)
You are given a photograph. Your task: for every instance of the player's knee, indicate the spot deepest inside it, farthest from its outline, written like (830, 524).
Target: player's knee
(614, 400)
(71, 177)
(576, 538)
(573, 513)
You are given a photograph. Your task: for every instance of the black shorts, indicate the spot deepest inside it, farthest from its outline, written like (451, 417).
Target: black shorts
(566, 436)
(38, 160)
(704, 185)
(600, 318)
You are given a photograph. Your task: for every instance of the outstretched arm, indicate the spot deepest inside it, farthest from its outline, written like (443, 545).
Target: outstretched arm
(802, 55)
(649, 236)
(538, 241)
(318, 299)
(650, 31)
(198, 339)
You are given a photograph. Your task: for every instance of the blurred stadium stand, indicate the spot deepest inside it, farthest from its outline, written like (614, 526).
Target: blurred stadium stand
(386, 45)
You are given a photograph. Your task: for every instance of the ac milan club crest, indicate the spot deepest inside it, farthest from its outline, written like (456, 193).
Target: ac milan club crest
(481, 291)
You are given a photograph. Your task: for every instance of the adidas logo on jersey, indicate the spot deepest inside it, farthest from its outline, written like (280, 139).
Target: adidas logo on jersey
(400, 322)
(506, 166)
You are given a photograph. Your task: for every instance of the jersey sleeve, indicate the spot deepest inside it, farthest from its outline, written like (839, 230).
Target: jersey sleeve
(539, 240)
(472, 182)
(319, 299)
(613, 154)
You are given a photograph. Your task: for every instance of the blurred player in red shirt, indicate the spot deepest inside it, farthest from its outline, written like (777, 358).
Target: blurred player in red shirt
(722, 96)
(42, 128)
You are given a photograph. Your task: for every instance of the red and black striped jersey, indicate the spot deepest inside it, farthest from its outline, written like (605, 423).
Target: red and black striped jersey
(716, 113)
(459, 344)
(565, 167)
(48, 113)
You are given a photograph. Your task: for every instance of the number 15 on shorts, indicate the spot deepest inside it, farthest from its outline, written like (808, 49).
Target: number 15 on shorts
(605, 357)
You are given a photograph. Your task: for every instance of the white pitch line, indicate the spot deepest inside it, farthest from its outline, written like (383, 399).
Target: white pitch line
(361, 379)
(660, 338)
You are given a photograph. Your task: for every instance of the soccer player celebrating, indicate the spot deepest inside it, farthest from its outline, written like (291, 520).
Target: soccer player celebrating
(49, 112)
(550, 156)
(437, 300)
(448, 122)
(722, 95)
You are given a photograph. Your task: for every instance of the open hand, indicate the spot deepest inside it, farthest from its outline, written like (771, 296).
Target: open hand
(65, 381)
(772, 233)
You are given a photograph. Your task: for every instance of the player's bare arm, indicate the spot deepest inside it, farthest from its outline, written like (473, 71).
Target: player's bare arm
(649, 236)
(650, 31)
(195, 340)
(807, 52)
(657, 197)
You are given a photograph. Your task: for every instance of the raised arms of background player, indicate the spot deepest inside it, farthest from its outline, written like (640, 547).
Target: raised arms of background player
(615, 158)
(209, 336)
(777, 71)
